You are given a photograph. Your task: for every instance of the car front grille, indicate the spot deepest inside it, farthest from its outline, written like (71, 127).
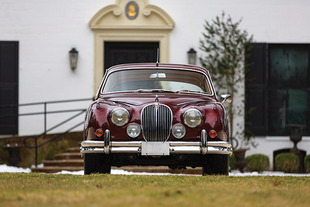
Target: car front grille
(156, 121)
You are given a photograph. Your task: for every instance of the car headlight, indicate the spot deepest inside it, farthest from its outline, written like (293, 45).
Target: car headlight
(133, 130)
(119, 116)
(178, 131)
(192, 118)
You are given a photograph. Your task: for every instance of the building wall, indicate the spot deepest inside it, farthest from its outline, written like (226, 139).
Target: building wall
(47, 30)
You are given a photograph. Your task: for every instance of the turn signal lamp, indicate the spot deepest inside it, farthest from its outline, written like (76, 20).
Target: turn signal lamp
(99, 132)
(212, 133)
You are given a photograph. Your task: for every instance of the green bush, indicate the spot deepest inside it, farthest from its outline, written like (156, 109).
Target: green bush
(307, 163)
(287, 162)
(257, 162)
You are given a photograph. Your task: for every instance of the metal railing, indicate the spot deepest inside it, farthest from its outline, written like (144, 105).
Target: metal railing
(45, 113)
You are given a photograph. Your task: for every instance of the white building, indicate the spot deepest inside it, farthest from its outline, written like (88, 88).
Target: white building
(36, 37)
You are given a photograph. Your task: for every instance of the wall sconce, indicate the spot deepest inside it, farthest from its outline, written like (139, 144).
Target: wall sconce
(73, 57)
(191, 55)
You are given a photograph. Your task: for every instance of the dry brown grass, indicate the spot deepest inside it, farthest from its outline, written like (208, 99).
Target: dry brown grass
(136, 190)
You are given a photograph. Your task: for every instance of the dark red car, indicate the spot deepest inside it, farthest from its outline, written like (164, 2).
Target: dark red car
(157, 115)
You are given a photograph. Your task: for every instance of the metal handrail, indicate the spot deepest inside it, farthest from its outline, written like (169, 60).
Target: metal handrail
(45, 113)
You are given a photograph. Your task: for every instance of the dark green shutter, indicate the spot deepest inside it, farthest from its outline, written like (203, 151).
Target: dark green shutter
(8, 87)
(255, 90)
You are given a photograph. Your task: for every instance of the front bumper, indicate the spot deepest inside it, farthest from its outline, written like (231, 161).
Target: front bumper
(156, 148)
(152, 149)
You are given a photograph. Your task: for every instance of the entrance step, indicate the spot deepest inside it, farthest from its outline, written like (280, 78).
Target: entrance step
(68, 156)
(64, 163)
(71, 160)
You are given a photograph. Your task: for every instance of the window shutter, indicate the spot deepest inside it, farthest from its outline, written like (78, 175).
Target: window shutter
(255, 91)
(8, 87)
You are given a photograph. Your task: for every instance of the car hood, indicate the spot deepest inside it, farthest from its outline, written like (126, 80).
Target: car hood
(138, 99)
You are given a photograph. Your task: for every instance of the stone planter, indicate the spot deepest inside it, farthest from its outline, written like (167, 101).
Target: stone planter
(240, 158)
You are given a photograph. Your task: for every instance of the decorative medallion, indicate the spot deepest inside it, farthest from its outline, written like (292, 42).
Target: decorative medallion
(132, 10)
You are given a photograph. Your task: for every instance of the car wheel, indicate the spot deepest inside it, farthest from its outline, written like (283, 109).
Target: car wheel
(96, 163)
(215, 165)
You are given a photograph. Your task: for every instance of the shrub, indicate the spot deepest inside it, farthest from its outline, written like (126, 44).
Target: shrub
(287, 162)
(307, 163)
(257, 162)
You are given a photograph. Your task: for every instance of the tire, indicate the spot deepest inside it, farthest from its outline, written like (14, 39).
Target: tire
(96, 163)
(215, 165)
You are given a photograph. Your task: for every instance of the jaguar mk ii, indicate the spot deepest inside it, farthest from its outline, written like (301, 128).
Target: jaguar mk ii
(157, 115)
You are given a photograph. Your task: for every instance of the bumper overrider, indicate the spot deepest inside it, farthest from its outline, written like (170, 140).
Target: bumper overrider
(156, 148)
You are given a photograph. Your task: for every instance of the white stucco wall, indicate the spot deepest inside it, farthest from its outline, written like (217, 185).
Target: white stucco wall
(47, 30)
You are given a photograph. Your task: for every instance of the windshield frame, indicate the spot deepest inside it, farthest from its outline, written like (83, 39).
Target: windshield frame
(209, 82)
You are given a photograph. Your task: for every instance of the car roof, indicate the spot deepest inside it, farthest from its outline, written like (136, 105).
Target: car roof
(156, 66)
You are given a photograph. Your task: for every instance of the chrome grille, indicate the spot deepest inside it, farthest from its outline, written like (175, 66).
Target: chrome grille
(156, 121)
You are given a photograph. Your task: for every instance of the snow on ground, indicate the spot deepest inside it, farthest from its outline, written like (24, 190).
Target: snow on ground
(9, 169)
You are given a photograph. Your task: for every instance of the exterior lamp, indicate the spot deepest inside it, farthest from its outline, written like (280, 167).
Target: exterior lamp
(73, 56)
(191, 55)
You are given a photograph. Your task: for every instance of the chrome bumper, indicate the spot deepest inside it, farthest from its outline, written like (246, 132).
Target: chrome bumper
(160, 148)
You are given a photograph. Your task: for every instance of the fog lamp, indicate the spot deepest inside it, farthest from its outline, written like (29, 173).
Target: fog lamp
(178, 131)
(133, 130)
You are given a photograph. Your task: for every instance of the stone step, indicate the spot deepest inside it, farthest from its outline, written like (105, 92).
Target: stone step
(68, 155)
(53, 169)
(73, 149)
(66, 162)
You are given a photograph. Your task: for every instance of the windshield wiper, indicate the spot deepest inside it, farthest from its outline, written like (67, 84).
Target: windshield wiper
(154, 90)
(116, 101)
(189, 91)
(189, 102)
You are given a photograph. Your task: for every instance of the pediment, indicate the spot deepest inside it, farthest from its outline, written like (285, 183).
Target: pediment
(147, 16)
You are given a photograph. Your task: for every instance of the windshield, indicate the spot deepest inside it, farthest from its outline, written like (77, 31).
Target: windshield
(172, 80)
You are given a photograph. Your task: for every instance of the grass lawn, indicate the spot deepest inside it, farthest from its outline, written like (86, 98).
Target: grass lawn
(18, 189)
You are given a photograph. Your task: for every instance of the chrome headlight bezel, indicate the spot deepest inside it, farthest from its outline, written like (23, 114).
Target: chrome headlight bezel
(133, 130)
(119, 116)
(192, 118)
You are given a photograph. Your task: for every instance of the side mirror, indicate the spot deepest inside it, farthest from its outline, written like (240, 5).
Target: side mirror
(226, 98)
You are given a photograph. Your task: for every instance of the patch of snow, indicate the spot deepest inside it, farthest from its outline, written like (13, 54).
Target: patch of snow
(10, 169)
(81, 172)
(124, 172)
(39, 165)
(266, 173)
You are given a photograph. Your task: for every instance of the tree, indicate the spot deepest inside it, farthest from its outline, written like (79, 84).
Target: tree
(225, 47)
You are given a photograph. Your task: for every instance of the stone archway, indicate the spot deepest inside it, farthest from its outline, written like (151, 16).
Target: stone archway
(126, 21)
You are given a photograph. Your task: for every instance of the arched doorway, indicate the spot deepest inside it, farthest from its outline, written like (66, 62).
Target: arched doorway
(129, 22)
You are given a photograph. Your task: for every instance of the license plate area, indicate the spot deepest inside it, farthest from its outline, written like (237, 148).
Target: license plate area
(155, 148)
